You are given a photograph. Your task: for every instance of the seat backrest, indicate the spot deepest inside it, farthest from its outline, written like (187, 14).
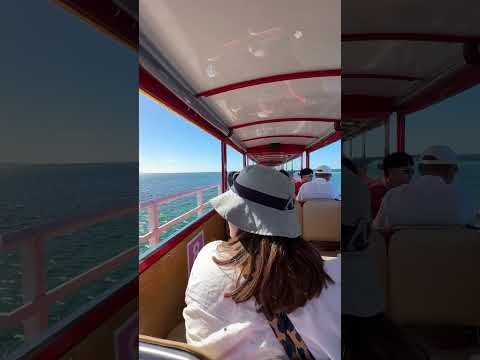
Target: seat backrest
(378, 250)
(151, 348)
(433, 277)
(321, 220)
(299, 211)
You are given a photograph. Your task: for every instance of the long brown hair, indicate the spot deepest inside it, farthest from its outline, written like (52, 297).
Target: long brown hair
(281, 274)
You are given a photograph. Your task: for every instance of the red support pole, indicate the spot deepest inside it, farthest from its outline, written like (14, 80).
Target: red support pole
(224, 167)
(400, 132)
(301, 162)
(307, 162)
(244, 160)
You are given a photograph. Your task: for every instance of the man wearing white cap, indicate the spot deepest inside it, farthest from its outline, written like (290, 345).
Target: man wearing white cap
(319, 188)
(431, 199)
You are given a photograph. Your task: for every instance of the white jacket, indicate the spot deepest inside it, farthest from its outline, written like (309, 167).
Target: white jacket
(316, 189)
(427, 200)
(228, 330)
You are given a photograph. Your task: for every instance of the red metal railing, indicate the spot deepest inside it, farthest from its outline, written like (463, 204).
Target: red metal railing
(33, 314)
(152, 206)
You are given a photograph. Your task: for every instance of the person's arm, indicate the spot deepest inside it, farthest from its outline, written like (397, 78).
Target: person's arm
(300, 194)
(205, 331)
(332, 192)
(380, 221)
(470, 215)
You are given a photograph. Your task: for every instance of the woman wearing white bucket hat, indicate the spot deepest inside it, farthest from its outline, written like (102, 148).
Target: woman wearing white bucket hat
(266, 277)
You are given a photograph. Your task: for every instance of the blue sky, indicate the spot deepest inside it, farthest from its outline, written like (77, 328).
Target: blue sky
(168, 143)
(77, 104)
(329, 155)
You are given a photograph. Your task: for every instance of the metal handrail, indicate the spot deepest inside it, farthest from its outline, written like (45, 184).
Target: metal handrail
(152, 206)
(33, 314)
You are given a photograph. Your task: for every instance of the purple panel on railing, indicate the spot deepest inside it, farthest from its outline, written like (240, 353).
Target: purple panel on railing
(193, 248)
(126, 339)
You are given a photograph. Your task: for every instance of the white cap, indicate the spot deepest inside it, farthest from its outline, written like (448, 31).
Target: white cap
(438, 155)
(323, 169)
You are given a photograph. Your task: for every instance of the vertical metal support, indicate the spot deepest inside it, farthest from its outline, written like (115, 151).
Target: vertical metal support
(199, 202)
(350, 142)
(386, 137)
(34, 284)
(301, 162)
(307, 160)
(224, 167)
(244, 160)
(400, 132)
(153, 219)
(364, 146)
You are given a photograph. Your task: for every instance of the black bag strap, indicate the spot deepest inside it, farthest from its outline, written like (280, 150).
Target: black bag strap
(289, 338)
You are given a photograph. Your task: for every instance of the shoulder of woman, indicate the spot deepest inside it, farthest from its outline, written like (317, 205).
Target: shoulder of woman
(207, 281)
(205, 256)
(333, 267)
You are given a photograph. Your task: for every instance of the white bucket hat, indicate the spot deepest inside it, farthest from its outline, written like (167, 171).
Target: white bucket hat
(438, 155)
(261, 201)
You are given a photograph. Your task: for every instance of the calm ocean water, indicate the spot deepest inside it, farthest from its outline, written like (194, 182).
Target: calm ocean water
(37, 194)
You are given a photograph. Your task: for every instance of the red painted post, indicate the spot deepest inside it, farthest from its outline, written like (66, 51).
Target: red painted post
(301, 162)
(153, 225)
(244, 160)
(224, 166)
(307, 161)
(386, 137)
(199, 202)
(34, 283)
(400, 132)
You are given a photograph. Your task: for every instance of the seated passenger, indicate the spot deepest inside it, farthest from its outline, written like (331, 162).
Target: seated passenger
(362, 169)
(231, 176)
(398, 170)
(367, 333)
(265, 275)
(285, 172)
(306, 175)
(432, 199)
(319, 188)
(350, 165)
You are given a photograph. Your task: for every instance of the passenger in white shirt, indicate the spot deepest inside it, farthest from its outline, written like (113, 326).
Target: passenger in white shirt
(367, 333)
(431, 199)
(264, 270)
(319, 188)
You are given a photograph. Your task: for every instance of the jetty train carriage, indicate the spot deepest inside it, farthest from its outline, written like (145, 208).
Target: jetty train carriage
(404, 59)
(262, 78)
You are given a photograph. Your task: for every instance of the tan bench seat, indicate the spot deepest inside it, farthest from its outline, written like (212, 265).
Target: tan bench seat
(321, 220)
